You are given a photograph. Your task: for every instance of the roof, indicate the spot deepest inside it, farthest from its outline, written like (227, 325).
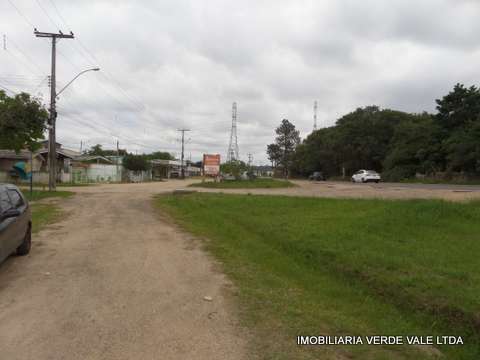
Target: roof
(11, 154)
(92, 158)
(65, 152)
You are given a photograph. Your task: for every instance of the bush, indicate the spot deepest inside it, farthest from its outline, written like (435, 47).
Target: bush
(399, 173)
(136, 162)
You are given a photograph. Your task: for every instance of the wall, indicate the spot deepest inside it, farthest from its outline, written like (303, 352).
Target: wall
(97, 173)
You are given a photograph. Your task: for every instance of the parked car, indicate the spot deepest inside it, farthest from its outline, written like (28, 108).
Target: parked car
(15, 222)
(366, 176)
(317, 176)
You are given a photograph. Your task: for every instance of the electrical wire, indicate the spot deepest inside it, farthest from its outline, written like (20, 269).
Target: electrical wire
(21, 14)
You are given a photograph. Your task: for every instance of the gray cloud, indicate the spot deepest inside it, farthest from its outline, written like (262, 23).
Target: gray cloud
(178, 63)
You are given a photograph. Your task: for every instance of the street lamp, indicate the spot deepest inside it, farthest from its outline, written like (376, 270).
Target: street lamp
(75, 78)
(52, 151)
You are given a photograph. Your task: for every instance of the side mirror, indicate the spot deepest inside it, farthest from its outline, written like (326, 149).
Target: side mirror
(10, 213)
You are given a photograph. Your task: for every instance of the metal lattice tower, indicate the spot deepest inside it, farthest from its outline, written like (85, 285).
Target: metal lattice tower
(315, 110)
(232, 153)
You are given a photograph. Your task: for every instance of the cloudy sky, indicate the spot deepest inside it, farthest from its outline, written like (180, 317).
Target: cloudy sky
(168, 64)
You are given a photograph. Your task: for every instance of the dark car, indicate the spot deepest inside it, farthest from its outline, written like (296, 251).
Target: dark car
(15, 222)
(317, 176)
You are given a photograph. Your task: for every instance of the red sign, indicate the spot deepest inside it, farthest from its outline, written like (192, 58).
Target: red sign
(211, 164)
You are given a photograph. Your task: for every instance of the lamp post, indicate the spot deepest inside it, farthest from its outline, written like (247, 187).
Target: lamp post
(52, 152)
(75, 78)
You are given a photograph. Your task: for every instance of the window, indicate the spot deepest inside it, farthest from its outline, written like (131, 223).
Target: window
(5, 203)
(15, 197)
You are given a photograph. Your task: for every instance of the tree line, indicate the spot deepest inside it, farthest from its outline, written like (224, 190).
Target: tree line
(395, 143)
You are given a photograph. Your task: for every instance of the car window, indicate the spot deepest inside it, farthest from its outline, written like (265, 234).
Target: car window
(15, 198)
(5, 203)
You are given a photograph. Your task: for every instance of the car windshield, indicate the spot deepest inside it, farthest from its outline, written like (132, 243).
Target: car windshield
(371, 172)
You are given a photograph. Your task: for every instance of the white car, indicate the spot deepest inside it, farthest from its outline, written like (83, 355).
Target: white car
(366, 176)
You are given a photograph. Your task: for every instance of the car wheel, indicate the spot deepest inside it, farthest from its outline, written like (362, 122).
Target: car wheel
(377, 181)
(24, 248)
(363, 180)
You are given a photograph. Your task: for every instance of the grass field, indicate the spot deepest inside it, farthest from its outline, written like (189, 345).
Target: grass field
(40, 194)
(245, 184)
(306, 266)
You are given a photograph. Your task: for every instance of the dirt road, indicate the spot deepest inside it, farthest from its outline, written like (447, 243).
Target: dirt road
(381, 191)
(113, 281)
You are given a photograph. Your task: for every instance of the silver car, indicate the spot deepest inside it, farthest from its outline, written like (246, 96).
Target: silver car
(15, 222)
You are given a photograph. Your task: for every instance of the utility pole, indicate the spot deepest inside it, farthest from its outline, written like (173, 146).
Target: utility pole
(183, 151)
(315, 110)
(250, 159)
(118, 160)
(52, 150)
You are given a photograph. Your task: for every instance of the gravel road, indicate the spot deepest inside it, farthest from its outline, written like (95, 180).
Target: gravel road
(114, 281)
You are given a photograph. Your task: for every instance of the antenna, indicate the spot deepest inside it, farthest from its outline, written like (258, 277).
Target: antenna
(232, 153)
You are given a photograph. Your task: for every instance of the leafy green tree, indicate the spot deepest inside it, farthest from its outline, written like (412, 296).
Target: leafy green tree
(285, 144)
(459, 108)
(136, 162)
(459, 117)
(160, 155)
(415, 147)
(235, 168)
(463, 149)
(274, 154)
(98, 150)
(23, 121)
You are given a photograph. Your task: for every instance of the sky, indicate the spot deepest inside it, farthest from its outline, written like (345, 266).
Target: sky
(172, 64)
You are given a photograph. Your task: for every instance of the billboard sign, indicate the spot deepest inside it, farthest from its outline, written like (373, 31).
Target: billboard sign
(211, 164)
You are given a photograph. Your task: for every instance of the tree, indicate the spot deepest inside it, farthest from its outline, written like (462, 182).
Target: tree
(235, 168)
(98, 150)
(415, 147)
(274, 154)
(136, 162)
(459, 117)
(285, 143)
(160, 155)
(459, 107)
(23, 121)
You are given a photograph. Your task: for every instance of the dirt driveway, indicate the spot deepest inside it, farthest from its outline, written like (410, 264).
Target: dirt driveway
(112, 281)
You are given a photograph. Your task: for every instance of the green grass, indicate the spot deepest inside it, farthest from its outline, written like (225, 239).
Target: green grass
(40, 194)
(43, 215)
(305, 266)
(245, 184)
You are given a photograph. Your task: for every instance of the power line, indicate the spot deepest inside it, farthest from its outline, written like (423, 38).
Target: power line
(21, 14)
(48, 16)
(60, 15)
(7, 89)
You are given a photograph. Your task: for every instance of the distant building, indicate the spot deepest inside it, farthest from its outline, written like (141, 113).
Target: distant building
(167, 169)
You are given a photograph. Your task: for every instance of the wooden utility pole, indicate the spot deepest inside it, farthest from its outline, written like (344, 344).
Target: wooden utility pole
(52, 150)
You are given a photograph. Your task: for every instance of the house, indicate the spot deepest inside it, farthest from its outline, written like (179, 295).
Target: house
(95, 168)
(263, 171)
(8, 158)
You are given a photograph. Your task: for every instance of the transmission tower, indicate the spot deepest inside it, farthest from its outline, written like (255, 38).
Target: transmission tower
(232, 153)
(315, 110)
